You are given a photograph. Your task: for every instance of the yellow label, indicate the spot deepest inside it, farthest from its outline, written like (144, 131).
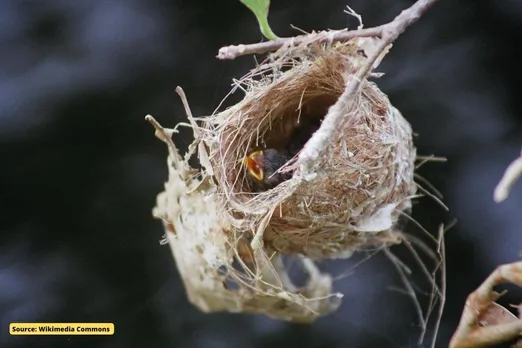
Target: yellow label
(61, 329)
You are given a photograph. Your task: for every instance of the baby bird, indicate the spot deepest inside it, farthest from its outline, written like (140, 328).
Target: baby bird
(262, 166)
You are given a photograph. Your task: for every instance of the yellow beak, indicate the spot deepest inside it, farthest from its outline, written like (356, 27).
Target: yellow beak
(253, 166)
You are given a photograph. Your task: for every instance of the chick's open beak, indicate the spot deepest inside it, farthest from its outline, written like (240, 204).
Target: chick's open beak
(254, 164)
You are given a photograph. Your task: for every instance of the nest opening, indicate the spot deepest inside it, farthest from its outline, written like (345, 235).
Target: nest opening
(295, 124)
(290, 128)
(282, 116)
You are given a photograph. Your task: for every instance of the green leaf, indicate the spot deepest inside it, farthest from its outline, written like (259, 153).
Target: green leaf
(260, 10)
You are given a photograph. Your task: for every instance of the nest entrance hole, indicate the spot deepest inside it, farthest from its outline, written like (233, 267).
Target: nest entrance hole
(291, 125)
(288, 128)
(282, 116)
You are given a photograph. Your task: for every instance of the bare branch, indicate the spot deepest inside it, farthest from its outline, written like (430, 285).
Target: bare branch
(234, 51)
(389, 32)
(511, 175)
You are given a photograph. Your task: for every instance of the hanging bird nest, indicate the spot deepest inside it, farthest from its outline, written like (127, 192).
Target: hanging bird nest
(228, 238)
(362, 183)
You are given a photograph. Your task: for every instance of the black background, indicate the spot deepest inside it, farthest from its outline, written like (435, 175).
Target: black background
(80, 168)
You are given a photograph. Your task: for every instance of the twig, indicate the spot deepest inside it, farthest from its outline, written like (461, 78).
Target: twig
(442, 298)
(426, 159)
(234, 51)
(389, 31)
(349, 11)
(165, 135)
(511, 175)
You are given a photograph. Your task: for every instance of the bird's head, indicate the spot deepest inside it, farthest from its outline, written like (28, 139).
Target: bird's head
(254, 163)
(263, 167)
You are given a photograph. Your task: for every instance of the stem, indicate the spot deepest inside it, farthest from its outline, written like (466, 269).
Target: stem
(392, 29)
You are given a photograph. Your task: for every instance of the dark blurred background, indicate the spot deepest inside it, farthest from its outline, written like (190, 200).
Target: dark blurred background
(80, 168)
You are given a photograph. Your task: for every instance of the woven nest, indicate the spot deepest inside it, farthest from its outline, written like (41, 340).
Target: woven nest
(229, 241)
(362, 183)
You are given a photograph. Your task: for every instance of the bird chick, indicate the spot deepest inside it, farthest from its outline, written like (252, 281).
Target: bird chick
(262, 166)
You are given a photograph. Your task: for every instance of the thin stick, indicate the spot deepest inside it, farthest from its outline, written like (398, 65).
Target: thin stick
(512, 174)
(165, 135)
(389, 32)
(442, 298)
(234, 51)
